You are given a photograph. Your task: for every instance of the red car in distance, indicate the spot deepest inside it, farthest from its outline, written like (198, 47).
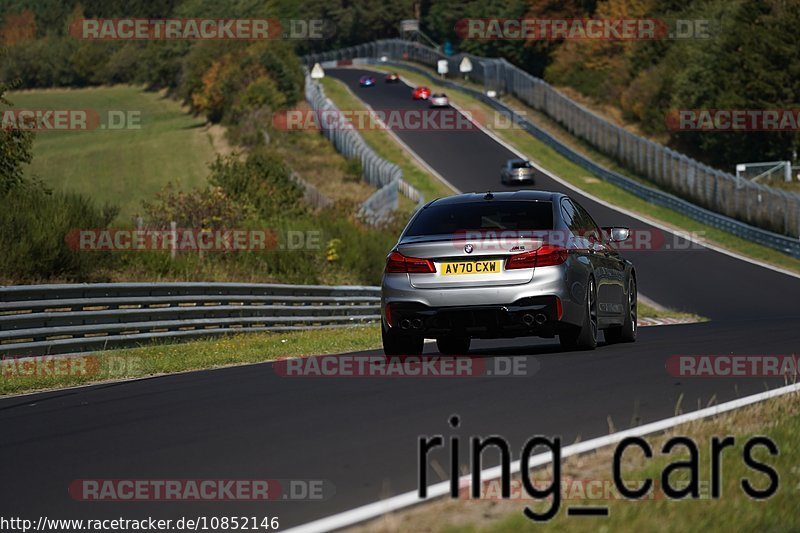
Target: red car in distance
(421, 93)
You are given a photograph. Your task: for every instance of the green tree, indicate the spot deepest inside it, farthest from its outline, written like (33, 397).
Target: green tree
(15, 150)
(750, 64)
(439, 19)
(262, 181)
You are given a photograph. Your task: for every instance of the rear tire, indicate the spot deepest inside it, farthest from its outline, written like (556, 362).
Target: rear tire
(453, 345)
(395, 344)
(627, 331)
(584, 337)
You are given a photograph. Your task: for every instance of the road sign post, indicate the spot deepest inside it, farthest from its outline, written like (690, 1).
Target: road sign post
(317, 72)
(442, 68)
(465, 67)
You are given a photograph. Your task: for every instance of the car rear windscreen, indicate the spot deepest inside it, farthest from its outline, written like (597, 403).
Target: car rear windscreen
(520, 164)
(511, 215)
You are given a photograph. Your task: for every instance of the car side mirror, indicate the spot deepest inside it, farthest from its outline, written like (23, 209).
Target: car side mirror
(617, 234)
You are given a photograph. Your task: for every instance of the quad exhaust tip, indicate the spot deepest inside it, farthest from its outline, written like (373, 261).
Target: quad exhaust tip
(538, 319)
(408, 324)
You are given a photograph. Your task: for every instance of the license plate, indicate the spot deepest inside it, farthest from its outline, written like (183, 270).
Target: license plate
(471, 267)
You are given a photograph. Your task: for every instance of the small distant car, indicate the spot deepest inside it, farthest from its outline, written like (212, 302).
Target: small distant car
(366, 81)
(421, 93)
(439, 100)
(517, 171)
(392, 77)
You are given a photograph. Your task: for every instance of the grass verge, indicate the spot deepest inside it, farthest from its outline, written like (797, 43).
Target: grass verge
(778, 419)
(316, 160)
(153, 360)
(646, 311)
(583, 180)
(19, 376)
(120, 166)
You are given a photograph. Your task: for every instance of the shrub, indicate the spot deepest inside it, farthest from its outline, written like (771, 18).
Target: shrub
(208, 208)
(263, 181)
(34, 224)
(15, 151)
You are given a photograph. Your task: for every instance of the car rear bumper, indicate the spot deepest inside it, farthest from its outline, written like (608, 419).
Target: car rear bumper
(537, 316)
(519, 177)
(486, 311)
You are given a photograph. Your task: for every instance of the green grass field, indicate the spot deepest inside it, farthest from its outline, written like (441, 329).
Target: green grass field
(120, 166)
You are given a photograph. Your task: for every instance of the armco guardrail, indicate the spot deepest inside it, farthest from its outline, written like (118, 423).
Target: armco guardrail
(377, 171)
(380, 205)
(51, 319)
(698, 183)
(311, 194)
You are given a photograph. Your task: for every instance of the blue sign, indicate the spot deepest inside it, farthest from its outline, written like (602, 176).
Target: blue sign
(447, 48)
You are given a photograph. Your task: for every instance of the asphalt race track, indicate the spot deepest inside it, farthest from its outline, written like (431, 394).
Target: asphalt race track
(361, 434)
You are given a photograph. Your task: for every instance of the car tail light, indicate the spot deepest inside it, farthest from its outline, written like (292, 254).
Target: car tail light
(398, 263)
(523, 260)
(389, 315)
(547, 255)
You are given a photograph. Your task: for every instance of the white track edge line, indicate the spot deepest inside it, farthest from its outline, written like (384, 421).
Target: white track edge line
(407, 499)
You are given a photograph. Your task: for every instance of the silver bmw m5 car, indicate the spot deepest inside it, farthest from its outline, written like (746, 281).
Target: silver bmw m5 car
(506, 264)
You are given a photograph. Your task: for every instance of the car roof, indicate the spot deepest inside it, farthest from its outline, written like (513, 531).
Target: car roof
(517, 160)
(523, 195)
